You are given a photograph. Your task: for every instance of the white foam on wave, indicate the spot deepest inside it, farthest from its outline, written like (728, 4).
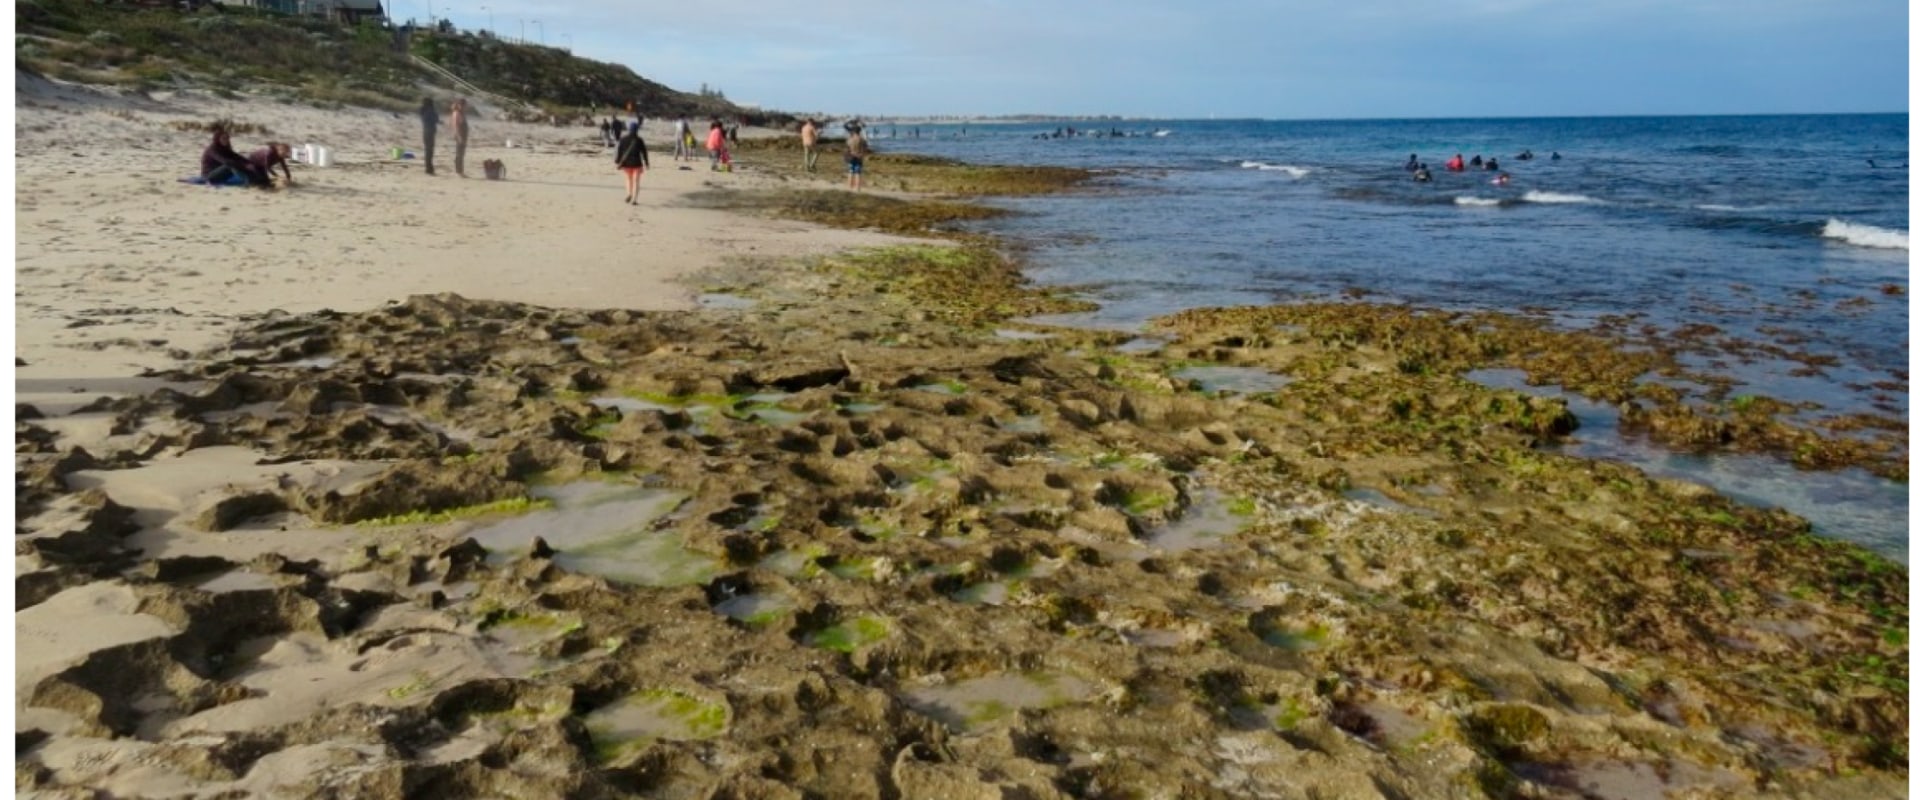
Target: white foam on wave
(1292, 171)
(1477, 202)
(1718, 207)
(1556, 197)
(1865, 235)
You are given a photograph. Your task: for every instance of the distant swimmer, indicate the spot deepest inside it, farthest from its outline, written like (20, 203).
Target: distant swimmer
(1456, 164)
(1501, 179)
(1525, 155)
(1413, 162)
(1556, 155)
(1493, 165)
(1476, 160)
(1421, 175)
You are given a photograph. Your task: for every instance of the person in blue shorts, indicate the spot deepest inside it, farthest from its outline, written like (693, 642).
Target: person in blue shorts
(857, 152)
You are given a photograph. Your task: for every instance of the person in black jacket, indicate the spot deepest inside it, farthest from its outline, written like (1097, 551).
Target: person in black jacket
(630, 155)
(220, 163)
(429, 125)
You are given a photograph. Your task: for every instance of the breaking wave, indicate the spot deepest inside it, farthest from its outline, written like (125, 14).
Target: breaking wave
(1292, 171)
(1865, 235)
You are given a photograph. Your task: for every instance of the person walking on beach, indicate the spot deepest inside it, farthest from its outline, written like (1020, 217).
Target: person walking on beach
(717, 156)
(809, 137)
(429, 125)
(682, 139)
(630, 155)
(857, 152)
(459, 121)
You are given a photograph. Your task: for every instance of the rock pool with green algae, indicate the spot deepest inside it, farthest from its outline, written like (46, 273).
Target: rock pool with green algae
(1583, 591)
(850, 635)
(974, 703)
(606, 529)
(1222, 378)
(632, 723)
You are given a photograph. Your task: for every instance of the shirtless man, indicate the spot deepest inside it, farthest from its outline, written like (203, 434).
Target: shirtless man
(809, 137)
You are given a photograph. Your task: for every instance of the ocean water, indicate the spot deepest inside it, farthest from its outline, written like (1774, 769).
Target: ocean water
(1790, 230)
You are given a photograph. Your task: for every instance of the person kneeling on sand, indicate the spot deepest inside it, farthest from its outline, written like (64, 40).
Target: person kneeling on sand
(630, 155)
(275, 154)
(220, 164)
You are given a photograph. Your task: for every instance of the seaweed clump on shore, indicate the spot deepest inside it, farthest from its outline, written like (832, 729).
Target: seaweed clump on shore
(1644, 378)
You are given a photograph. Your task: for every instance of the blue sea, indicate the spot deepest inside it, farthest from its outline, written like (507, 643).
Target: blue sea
(1790, 230)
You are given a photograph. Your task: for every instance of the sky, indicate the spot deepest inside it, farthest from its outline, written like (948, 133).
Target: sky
(1298, 59)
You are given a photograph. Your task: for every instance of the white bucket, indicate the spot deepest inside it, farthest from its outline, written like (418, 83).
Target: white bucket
(304, 154)
(509, 144)
(322, 157)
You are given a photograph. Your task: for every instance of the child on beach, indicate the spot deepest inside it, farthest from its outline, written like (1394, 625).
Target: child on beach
(717, 156)
(631, 157)
(275, 154)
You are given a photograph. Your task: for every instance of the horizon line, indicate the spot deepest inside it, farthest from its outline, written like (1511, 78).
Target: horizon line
(1123, 117)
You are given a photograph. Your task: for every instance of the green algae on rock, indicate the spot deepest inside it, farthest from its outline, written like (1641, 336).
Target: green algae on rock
(1525, 615)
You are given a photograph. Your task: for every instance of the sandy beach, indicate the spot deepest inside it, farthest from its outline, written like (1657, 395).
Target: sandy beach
(389, 485)
(118, 263)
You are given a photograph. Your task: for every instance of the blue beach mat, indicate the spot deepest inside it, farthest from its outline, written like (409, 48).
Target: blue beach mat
(197, 180)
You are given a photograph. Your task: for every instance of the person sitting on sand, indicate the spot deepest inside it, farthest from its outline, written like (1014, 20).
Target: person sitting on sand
(275, 154)
(220, 164)
(630, 155)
